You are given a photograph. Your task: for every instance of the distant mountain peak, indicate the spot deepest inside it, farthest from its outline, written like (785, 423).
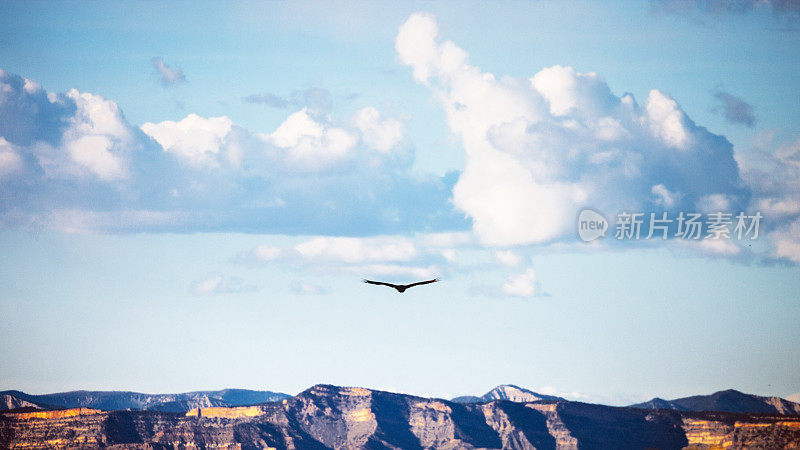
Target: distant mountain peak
(511, 386)
(513, 393)
(508, 392)
(730, 391)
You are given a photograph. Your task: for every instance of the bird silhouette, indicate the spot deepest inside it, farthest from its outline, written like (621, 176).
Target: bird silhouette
(400, 287)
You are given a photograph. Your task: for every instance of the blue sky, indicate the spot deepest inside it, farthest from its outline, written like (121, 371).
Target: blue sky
(191, 194)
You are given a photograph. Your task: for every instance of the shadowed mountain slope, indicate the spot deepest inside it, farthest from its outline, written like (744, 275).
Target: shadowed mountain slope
(121, 400)
(727, 401)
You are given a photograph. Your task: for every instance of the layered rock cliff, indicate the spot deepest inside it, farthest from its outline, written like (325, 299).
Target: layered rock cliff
(338, 417)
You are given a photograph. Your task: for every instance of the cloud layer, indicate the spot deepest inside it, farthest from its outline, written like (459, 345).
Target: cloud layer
(773, 172)
(73, 162)
(538, 149)
(391, 256)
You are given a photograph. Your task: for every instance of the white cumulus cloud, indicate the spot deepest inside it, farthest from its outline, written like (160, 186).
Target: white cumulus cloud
(10, 160)
(507, 257)
(522, 284)
(396, 257)
(303, 142)
(196, 140)
(540, 148)
(379, 133)
(786, 241)
(312, 144)
(664, 196)
(72, 135)
(73, 162)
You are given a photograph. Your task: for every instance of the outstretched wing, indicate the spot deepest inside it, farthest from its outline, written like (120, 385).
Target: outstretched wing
(380, 283)
(422, 282)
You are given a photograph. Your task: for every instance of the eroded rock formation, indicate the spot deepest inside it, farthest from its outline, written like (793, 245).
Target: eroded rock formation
(338, 417)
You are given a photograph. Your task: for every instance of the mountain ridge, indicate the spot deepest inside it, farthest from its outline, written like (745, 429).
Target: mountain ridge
(729, 400)
(333, 417)
(123, 400)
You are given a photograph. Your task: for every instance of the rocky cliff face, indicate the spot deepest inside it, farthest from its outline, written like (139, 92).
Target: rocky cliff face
(336, 417)
(11, 401)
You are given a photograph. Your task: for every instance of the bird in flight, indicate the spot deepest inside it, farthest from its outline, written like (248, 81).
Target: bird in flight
(400, 287)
